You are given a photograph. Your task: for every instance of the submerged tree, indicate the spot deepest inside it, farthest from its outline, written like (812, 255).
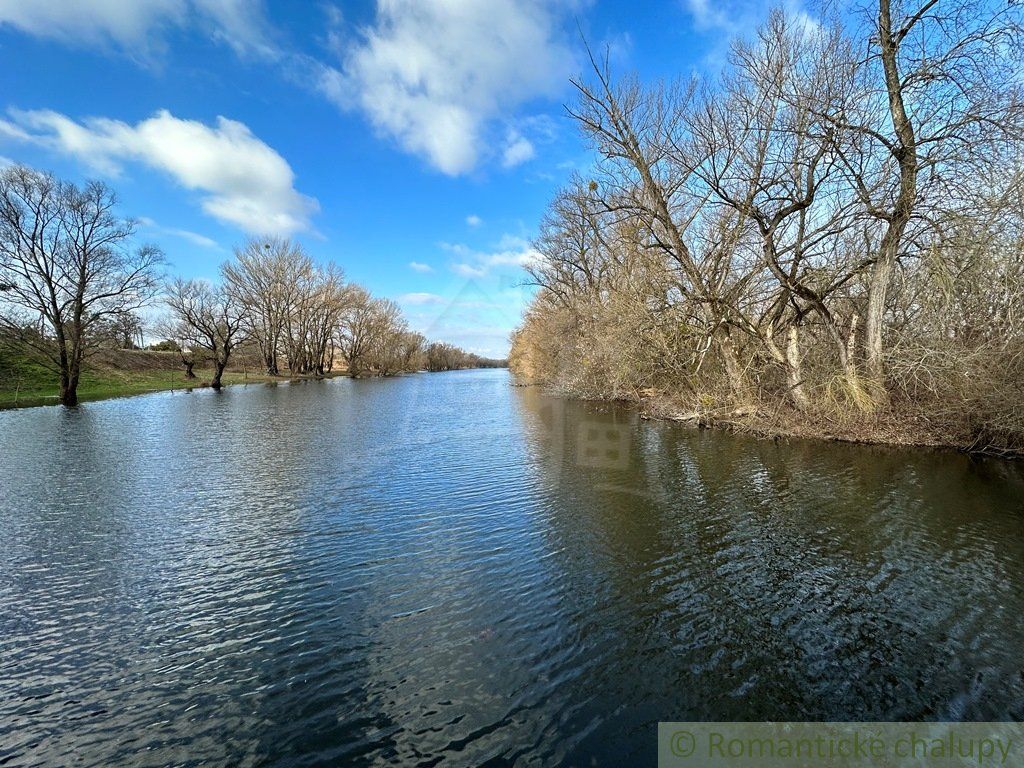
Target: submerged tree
(209, 319)
(67, 268)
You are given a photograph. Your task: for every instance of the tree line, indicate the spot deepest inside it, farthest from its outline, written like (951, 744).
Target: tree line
(72, 281)
(830, 228)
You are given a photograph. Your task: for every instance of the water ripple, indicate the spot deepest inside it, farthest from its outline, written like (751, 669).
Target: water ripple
(444, 571)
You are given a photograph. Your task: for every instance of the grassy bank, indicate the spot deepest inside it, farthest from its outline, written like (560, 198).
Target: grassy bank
(112, 373)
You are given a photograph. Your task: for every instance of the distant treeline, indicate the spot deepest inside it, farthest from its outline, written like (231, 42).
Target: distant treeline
(826, 237)
(71, 282)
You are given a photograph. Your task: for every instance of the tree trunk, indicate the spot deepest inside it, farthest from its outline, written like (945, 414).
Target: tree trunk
(790, 361)
(855, 388)
(878, 291)
(69, 385)
(794, 370)
(189, 373)
(218, 372)
(68, 391)
(906, 156)
(733, 371)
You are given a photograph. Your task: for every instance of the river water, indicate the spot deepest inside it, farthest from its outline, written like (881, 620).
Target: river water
(443, 569)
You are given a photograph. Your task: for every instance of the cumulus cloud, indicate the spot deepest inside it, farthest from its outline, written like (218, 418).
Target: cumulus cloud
(473, 220)
(417, 266)
(138, 26)
(244, 182)
(435, 74)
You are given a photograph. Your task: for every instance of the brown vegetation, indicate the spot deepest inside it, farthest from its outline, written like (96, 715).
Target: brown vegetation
(826, 240)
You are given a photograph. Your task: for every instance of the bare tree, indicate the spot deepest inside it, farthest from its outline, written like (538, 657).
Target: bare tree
(838, 215)
(120, 331)
(641, 136)
(179, 339)
(208, 319)
(66, 266)
(264, 279)
(771, 158)
(321, 299)
(355, 330)
(934, 88)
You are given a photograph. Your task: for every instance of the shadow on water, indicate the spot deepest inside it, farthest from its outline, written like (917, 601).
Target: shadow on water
(755, 580)
(445, 570)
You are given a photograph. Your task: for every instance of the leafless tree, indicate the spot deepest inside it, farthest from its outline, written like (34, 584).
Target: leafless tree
(647, 172)
(321, 299)
(935, 88)
(208, 318)
(66, 267)
(264, 279)
(179, 338)
(837, 216)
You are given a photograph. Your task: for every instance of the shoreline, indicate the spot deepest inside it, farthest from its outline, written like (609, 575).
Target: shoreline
(10, 400)
(881, 429)
(96, 393)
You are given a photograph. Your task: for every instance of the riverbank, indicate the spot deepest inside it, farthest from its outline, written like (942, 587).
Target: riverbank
(127, 372)
(892, 426)
(118, 373)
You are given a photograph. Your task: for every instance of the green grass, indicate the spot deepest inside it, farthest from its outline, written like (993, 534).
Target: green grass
(112, 373)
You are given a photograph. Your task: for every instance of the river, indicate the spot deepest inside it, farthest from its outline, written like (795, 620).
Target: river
(443, 569)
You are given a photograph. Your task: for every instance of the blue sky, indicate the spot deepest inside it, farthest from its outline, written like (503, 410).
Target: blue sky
(414, 142)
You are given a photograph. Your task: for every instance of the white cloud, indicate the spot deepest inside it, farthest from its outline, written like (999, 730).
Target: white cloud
(511, 251)
(473, 220)
(421, 298)
(468, 270)
(434, 74)
(518, 150)
(139, 26)
(244, 181)
(242, 24)
(707, 15)
(193, 237)
(741, 17)
(417, 266)
(722, 22)
(126, 23)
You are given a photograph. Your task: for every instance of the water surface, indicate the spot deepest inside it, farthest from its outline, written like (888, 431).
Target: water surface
(442, 569)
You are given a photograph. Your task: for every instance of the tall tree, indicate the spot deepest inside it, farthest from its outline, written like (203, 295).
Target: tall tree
(66, 268)
(938, 93)
(264, 280)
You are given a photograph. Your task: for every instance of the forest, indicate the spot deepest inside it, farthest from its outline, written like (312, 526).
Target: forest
(823, 239)
(73, 282)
